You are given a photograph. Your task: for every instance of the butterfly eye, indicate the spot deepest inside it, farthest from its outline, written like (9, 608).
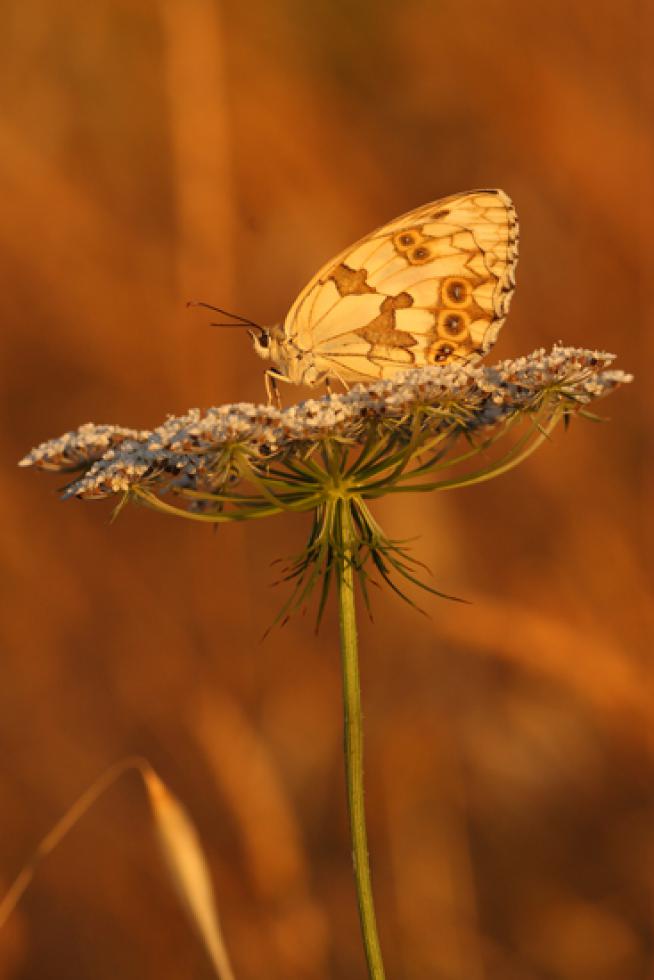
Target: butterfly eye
(261, 340)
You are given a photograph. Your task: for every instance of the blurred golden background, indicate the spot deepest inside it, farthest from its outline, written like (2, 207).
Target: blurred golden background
(158, 151)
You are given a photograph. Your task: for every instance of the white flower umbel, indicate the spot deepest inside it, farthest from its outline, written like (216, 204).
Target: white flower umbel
(474, 397)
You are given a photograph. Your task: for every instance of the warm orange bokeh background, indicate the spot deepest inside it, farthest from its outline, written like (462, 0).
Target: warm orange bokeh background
(164, 150)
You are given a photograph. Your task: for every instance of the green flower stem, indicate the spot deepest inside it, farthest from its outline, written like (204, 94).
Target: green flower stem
(151, 500)
(353, 744)
(527, 445)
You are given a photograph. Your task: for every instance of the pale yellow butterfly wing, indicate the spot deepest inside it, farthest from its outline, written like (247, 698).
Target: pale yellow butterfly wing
(430, 286)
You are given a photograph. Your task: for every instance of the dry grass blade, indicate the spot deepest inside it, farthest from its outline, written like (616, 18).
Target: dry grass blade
(60, 830)
(180, 845)
(188, 867)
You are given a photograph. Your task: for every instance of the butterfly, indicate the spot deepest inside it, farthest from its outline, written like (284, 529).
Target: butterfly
(429, 287)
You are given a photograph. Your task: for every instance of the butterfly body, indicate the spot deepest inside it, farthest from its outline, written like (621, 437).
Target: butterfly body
(431, 286)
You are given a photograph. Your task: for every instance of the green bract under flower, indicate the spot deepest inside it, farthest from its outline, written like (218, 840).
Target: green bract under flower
(329, 455)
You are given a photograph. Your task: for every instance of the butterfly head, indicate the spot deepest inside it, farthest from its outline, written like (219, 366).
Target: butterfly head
(267, 342)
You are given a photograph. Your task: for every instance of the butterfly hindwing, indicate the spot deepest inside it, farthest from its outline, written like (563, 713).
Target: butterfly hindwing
(430, 286)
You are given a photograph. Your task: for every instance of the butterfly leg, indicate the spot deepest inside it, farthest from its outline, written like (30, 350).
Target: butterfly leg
(272, 389)
(338, 378)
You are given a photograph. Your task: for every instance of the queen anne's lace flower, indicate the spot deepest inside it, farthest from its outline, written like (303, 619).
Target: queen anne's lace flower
(189, 451)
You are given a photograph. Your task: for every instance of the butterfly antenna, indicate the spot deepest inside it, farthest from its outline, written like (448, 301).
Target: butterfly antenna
(237, 319)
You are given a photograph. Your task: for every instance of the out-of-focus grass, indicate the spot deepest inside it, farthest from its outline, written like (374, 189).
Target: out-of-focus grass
(178, 150)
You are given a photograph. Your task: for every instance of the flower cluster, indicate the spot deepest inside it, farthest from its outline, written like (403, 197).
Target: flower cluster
(197, 451)
(331, 456)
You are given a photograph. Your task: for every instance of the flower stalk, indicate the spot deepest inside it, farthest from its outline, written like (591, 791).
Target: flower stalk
(353, 749)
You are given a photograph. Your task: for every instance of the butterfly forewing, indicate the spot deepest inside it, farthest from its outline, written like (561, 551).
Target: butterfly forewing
(429, 287)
